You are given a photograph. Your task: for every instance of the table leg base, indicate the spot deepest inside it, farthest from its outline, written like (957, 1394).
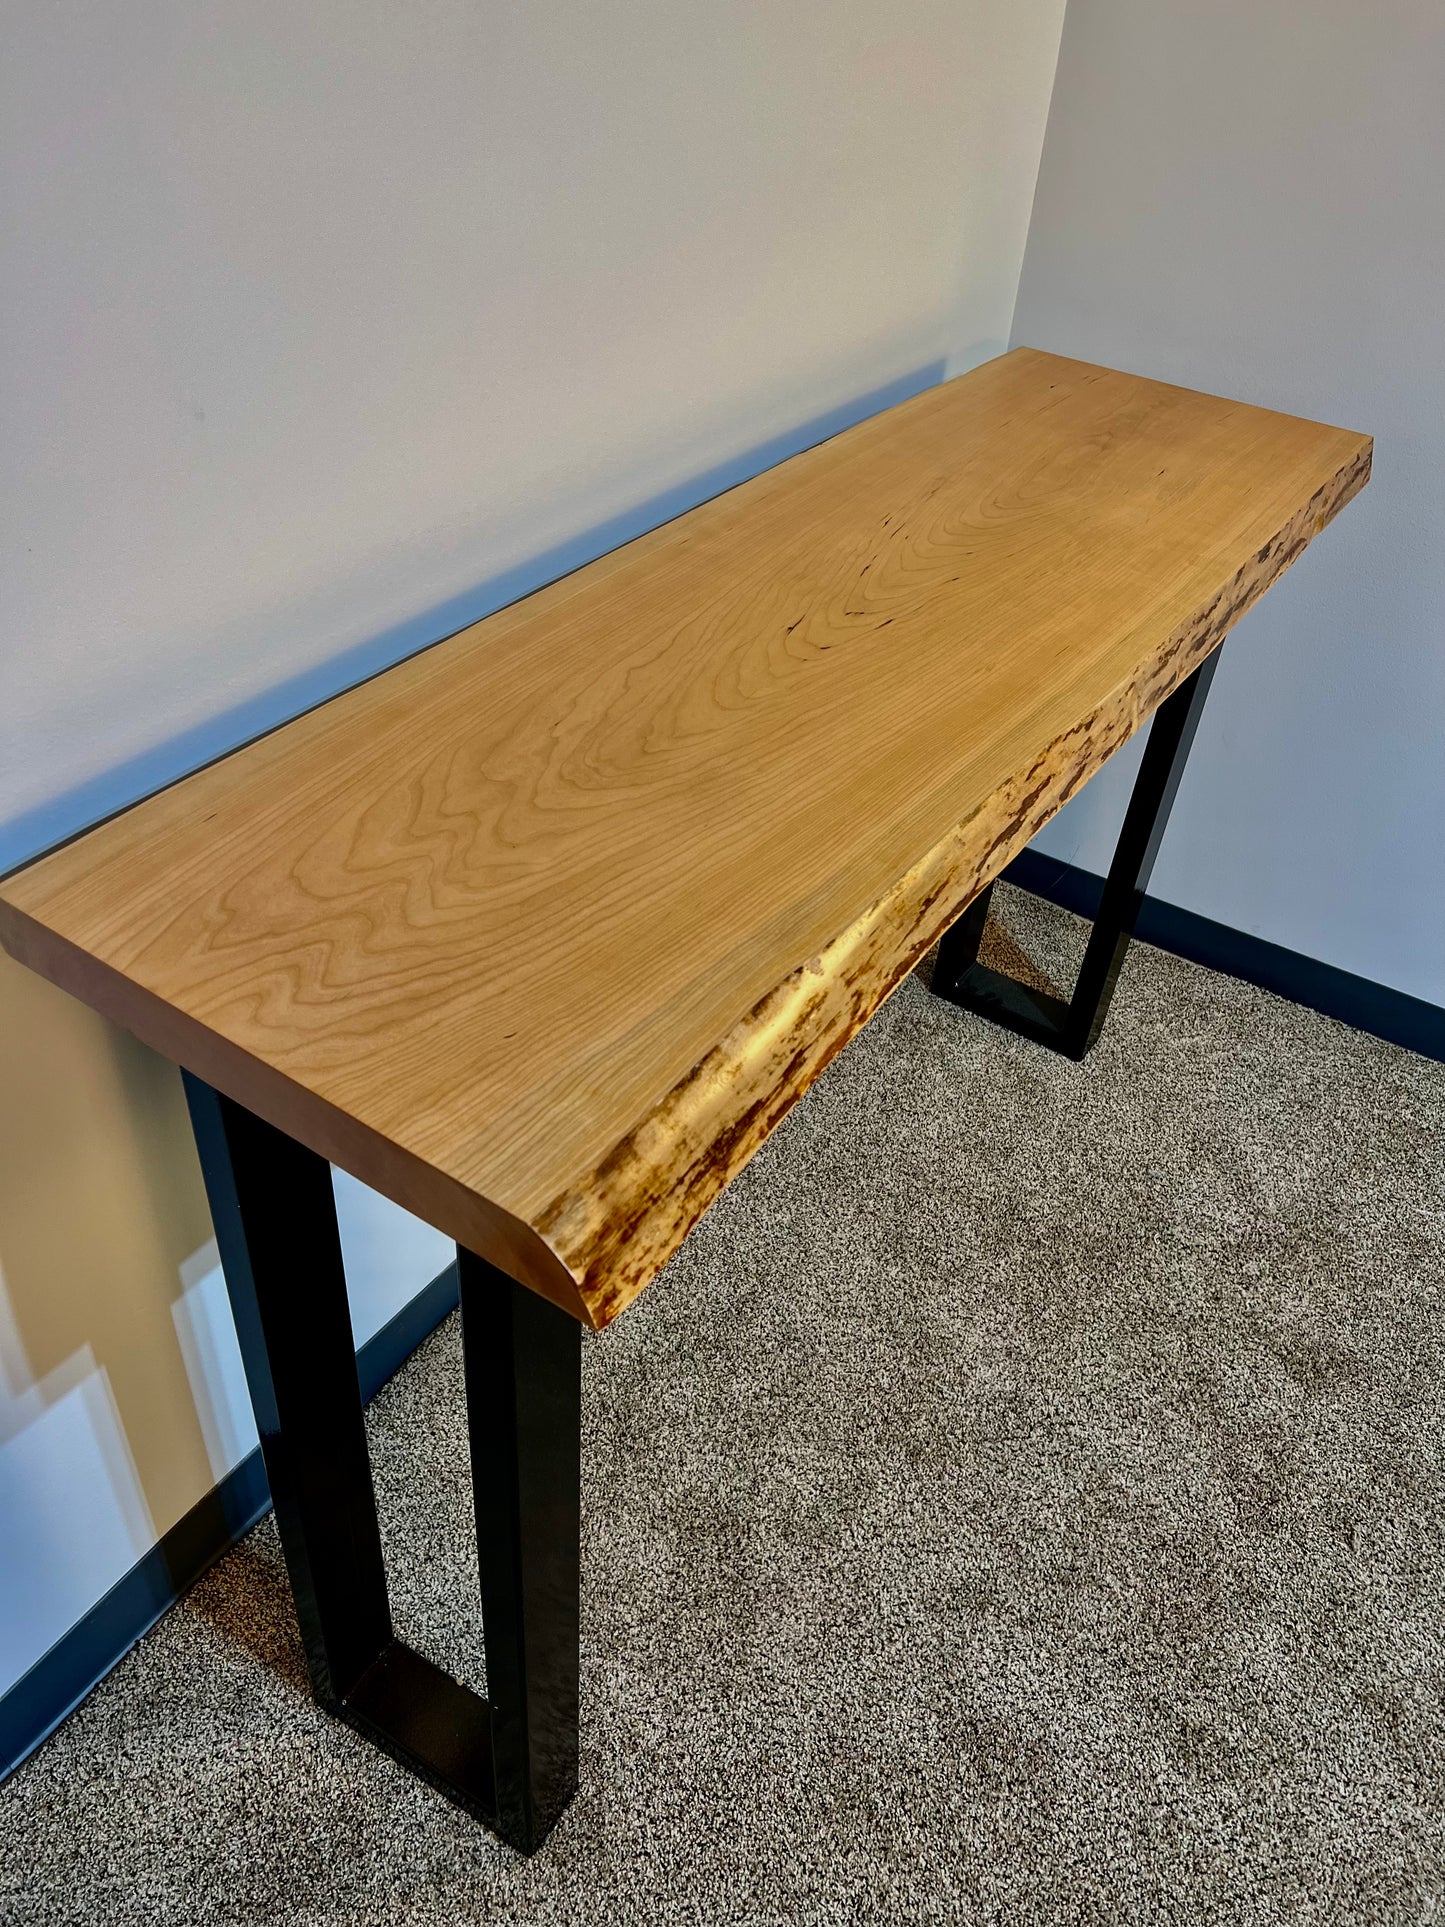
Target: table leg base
(1003, 1000)
(430, 1723)
(509, 1759)
(1072, 1025)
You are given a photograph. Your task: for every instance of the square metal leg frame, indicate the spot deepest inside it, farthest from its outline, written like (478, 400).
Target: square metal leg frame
(511, 1758)
(1072, 1026)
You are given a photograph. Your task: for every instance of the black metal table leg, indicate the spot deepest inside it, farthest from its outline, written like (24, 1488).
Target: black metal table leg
(524, 1413)
(1072, 1026)
(509, 1759)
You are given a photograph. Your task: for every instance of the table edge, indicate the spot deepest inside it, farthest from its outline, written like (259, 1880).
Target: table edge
(595, 1246)
(616, 1232)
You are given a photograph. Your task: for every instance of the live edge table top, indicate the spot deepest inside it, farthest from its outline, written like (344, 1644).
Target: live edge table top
(542, 931)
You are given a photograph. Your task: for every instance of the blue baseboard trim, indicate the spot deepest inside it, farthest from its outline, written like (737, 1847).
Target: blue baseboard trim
(55, 1685)
(1356, 1001)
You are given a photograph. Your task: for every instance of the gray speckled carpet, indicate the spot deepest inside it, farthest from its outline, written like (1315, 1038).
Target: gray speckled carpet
(1019, 1501)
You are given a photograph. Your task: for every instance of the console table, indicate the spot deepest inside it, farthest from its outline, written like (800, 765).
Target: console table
(543, 930)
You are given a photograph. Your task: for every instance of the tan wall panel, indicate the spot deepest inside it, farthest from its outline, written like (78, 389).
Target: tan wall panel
(100, 1206)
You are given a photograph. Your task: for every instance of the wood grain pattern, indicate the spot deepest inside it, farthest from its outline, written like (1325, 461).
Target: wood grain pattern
(544, 930)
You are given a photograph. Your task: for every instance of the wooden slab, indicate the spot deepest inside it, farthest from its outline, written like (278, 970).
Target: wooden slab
(541, 932)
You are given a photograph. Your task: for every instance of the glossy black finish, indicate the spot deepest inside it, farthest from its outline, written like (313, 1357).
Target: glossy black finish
(1073, 1027)
(524, 1413)
(511, 1759)
(433, 1724)
(275, 1219)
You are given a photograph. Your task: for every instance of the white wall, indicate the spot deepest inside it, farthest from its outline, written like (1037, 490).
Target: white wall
(330, 325)
(1248, 196)
(335, 312)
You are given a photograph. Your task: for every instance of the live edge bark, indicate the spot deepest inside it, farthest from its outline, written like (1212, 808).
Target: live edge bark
(613, 1234)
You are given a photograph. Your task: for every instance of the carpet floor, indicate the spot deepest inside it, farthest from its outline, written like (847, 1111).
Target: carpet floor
(1020, 1501)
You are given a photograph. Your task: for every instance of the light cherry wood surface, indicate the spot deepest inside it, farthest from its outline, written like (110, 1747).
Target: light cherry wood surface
(542, 931)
